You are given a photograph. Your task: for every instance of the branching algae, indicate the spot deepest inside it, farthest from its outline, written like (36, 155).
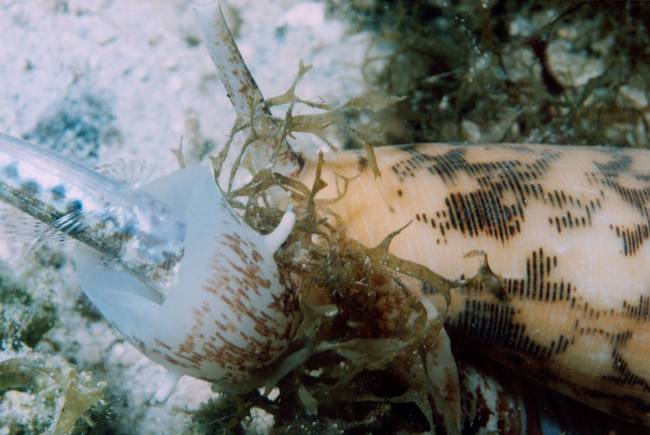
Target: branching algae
(58, 395)
(347, 337)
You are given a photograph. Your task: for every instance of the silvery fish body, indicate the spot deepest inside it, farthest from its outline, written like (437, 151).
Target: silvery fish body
(568, 229)
(129, 227)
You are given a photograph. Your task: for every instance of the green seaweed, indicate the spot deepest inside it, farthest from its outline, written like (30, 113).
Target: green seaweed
(24, 319)
(219, 416)
(12, 290)
(462, 75)
(62, 397)
(496, 71)
(18, 374)
(81, 393)
(360, 320)
(100, 418)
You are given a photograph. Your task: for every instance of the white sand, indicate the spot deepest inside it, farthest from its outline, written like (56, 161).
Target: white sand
(135, 56)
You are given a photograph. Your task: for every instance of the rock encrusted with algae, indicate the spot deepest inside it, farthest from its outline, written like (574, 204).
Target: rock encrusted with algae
(45, 394)
(24, 319)
(448, 101)
(39, 392)
(508, 71)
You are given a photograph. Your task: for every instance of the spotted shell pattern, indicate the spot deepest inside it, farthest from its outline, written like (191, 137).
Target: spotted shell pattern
(568, 228)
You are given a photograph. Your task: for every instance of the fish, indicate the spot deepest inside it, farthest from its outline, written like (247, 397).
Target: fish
(224, 313)
(226, 316)
(565, 227)
(129, 227)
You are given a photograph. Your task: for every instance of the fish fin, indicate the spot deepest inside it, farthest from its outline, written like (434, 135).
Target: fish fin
(133, 172)
(57, 233)
(25, 234)
(18, 227)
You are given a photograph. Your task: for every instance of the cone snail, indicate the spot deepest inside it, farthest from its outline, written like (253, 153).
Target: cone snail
(170, 265)
(227, 315)
(566, 227)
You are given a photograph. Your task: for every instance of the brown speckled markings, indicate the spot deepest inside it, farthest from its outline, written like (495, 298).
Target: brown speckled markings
(236, 283)
(565, 226)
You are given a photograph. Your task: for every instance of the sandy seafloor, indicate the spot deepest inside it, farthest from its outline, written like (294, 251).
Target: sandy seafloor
(133, 77)
(105, 81)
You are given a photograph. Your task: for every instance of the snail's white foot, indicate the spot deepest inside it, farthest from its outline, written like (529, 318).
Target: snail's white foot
(166, 387)
(276, 238)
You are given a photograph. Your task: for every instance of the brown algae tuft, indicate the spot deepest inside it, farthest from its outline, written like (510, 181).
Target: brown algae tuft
(369, 353)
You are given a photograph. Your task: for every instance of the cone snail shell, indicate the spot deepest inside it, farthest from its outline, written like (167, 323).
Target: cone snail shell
(227, 315)
(566, 227)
